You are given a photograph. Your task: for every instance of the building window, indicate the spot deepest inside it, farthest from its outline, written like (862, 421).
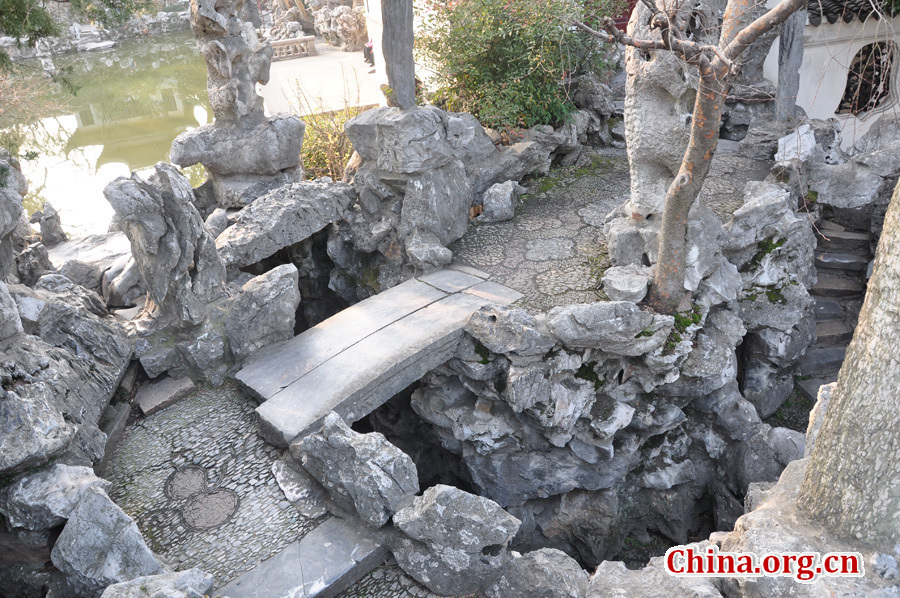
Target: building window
(869, 79)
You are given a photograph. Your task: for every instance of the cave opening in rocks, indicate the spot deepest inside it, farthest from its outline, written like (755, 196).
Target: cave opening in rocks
(410, 433)
(868, 79)
(611, 524)
(310, 256)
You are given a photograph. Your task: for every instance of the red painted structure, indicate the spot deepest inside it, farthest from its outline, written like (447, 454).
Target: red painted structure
(622, 19)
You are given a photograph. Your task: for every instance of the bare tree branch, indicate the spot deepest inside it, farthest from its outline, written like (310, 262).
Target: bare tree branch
(763, 24)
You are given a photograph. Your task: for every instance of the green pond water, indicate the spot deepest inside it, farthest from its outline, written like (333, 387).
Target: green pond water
(132, 101)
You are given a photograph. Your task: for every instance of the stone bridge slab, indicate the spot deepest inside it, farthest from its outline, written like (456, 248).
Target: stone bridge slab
(356, 360)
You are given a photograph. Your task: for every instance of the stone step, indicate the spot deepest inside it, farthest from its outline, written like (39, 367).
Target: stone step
(842, 261)
(833, 332)
(832, 285)
(324, 563)
(828, 309)
(358, 359)
(810, 387)
(822, 362)
(843, 242)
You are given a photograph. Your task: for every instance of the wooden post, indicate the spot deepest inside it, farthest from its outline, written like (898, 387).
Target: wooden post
(397, 45)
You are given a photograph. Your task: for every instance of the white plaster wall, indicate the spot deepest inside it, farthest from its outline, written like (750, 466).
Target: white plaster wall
(827, 53)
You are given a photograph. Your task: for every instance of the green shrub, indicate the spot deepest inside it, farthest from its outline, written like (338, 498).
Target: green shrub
(326, 147)
(508, 62)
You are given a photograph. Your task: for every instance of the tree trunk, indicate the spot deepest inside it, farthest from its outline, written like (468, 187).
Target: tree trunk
(852, 482)
(667, 289)
(397, 45)
(790, 58)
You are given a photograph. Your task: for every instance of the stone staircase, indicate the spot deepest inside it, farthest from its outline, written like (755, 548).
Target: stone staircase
(842, 259)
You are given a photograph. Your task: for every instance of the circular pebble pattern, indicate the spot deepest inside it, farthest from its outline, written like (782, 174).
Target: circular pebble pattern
(196, 477)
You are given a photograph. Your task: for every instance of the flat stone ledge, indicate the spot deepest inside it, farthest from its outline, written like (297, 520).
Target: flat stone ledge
(327, 561)
(159, 395)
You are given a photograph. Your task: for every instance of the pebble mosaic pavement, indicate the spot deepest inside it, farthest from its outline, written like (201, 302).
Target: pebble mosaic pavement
(197, 479)
(554, 251)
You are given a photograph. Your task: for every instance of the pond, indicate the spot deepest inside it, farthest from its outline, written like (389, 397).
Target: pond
(132, 101)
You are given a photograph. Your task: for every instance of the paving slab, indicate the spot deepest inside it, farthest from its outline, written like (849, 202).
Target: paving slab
(324, 563)
(842, 261)
(163, 393)
(830, 285)
(368, 373)
(810, 387)
(833, 332)
(844, 242)
(822, 362)
(272, 370)
(496, 293)
(450, 281)
(828, 309)
(469, 270)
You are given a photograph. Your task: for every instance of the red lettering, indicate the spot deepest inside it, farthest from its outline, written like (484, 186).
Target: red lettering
(745, 565)
(671, 563)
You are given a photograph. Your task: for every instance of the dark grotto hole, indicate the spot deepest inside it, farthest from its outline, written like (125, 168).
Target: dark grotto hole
(407, 431)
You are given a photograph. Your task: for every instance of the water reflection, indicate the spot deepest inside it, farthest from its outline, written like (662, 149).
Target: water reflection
(132, 102)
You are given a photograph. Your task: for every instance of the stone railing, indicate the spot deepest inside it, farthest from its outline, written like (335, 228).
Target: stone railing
(294, 48)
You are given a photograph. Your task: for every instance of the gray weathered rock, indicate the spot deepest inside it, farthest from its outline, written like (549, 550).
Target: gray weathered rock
(545, 573)
(33, 263)
(121, 285)
(10, 322)
(45, 499)
(172, 247)
(362, 472)
(51, 227)
(263, 313)
(769, 242)
(299, 488)
(817, 416)
(798, 145)
(500, 202)
(615, 326)
(100, 545)
(282, 218)
(245, 153)
(503, 329)
(13, 187)
(401, 141)
(60, 376)
(627, 283)
(456, 540)
(612, 579)
(192, 583)
(437, 201)
(761, 457)
(88, 258)
(777, 525)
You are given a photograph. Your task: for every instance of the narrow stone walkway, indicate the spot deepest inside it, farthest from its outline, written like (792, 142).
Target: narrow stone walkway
(356, 360)
(196, 477)
(554, 251)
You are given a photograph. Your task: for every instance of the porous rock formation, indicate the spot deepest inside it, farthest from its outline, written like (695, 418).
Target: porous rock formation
(194, 322)
(245, 153)
(342, 24)
(416, 173)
